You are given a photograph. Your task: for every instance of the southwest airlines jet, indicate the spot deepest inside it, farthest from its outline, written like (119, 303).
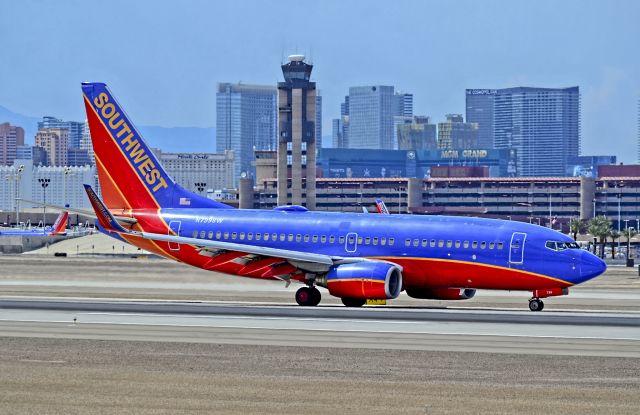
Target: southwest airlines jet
(354, 256)
(59, 228)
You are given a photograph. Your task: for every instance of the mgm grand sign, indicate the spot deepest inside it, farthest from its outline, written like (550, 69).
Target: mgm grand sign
(463, 154)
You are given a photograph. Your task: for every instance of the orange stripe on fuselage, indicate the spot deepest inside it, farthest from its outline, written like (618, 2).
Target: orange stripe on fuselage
(435, 272)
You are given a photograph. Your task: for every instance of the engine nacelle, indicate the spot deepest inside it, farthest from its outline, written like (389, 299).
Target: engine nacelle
(441, 293)
(363, 280)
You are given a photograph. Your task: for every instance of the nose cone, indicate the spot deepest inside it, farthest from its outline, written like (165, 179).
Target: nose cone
(590, 266)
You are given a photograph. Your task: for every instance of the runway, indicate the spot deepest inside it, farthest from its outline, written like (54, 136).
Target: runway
(557, 333)
(95, 335)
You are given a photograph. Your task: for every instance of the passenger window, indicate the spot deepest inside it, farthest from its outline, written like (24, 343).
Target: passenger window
(432, 244)
(341, 239)
(218, 235)
(210, 235)
(194, 234)
(290, 237)
(465, 244)
(500, 245)
(323, 239)
(367, 240)
(416, 242)
(282, 237)
(250, 236)
(407, 242)
(202, 234)
(315, 239)
(274, 237)
(234, 235)
(474, 244)
(424, 243)
(491, 245)
(266, 236)
(258, 236)
(226, 235)
(457, 244)
(332, 239)
(242, 236)
(298, 238)
(483, 245)
(449, 244)
(306, 238)
(391, 241)
(383, 241)
(375, 240)
(440, 243)
(359, 240)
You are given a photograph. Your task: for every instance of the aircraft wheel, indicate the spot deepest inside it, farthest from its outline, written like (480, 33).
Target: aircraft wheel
(307, 296)
(316, 296)
(535, 304)
(353, 302)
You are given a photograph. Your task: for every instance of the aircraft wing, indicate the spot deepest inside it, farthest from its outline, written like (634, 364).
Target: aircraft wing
(110, 224)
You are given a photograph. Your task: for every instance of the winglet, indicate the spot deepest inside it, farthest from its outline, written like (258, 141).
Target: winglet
(105, 218)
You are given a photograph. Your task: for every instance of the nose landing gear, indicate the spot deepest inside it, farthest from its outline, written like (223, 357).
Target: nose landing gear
(308, 296)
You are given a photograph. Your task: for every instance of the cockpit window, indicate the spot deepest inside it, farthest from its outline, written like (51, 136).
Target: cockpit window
(561, 246)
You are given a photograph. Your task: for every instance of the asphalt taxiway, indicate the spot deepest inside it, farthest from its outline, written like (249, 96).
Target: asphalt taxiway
(104, 335)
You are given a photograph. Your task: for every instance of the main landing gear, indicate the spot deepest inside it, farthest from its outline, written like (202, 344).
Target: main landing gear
(536, 304)
(308, 296)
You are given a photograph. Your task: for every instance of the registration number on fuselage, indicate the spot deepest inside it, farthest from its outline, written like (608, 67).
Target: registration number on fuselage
(208, 219)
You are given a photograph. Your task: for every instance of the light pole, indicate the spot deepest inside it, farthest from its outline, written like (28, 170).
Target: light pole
(67, 170)
(44, 182)
(619, 197)
(594, 207)
(550, 224)
(200, 186)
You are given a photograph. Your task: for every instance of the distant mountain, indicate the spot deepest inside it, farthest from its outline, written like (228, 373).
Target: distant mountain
(30, 124)
(170, 140)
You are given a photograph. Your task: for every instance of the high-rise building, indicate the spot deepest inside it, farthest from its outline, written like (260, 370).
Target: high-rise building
(78, 157)
(419, 134)
(457, 134)
(340, 126)
(479, 105)
(404, 104)
(76, 129)
(542, 124)
(296, 168)
(10, 138)
(371, 112)
(245, 122)
(56, 142)
(85, 143)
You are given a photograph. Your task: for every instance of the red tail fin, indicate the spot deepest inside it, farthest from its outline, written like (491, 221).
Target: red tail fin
(60, 225)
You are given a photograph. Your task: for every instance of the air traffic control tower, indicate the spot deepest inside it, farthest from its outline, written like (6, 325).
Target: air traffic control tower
(296, 135)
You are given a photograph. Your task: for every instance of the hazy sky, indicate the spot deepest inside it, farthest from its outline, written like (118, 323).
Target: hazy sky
(162, 59)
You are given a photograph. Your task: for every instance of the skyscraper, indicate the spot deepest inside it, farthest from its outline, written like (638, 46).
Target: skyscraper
(340, 126)
(296, 166)
(479, 105)
(543, 124)
(457, 134)
(10, 138)
(419, 134)
(56, 142)
(75, 128)
(371, 112)
(245, 121)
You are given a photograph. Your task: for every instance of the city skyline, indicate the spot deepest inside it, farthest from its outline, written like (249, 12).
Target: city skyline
(537, 45)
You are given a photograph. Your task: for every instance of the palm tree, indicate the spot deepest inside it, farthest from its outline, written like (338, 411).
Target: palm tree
(599, 227)
(575, 226)
(613, 234)
(629, 233)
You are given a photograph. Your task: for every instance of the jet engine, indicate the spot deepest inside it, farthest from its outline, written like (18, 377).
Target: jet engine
(363, 280)
(441, 293)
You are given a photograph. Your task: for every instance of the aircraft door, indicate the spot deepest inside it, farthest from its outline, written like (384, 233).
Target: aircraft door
(174, 228)
(516, 248)
(351, 244)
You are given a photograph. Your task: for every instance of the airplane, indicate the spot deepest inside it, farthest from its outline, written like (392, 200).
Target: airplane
(355, 256)
(59, 228)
